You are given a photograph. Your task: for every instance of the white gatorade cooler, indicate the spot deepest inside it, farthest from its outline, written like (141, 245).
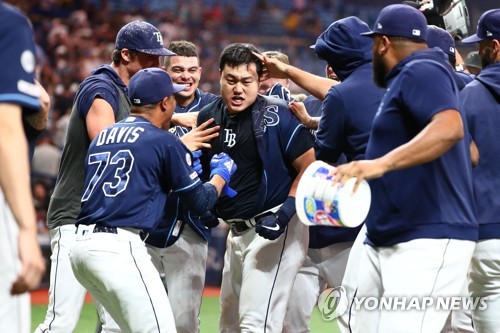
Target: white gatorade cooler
(319, 202)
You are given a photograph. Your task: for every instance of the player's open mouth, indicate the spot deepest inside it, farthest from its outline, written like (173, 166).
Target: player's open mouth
(237, 100)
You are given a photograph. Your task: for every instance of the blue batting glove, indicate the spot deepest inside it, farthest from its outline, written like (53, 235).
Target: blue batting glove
(196, 162)
(222, 165)
(272, 226)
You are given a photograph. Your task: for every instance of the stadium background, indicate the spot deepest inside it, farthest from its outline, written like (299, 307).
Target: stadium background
(73, 37)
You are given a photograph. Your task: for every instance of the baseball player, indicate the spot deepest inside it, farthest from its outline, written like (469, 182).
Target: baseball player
(276, 87)
(179, 244)
(438, 37)
(422, 227)
(131, 167)
(21, 261)
(481, 105)
(267, 243)
(344, 129)
(100, 101)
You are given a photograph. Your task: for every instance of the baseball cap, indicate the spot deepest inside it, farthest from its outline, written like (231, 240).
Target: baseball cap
(473, 59)
(488, 27)
(438, 37)
(143, 37)
(400, 21)
(151, 85)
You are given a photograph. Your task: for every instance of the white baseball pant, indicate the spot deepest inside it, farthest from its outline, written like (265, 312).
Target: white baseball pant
(184, 266)
(418, 268)
(66, 294)
(258, 278)
(484, 281)
(321, 268)
(117, 271)
(15, 311)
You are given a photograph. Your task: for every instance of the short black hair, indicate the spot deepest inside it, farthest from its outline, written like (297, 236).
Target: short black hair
(238, 54)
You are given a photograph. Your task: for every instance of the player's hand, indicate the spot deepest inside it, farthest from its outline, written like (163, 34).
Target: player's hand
(209, 220)
(365, 169)
(32, 263)
(299, 110)
(222, 165)
(272, 226)
(200, 136)
(273, 68)
(225, 167)
(187, 119)
(196, 162)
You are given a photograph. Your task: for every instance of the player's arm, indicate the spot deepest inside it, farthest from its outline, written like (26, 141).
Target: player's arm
(15, 184)
(38, 120)
(201, 198)
(272, 226)
(442, 132)
(474, 153)
(316, 85)
(100, 116)
(185, 119)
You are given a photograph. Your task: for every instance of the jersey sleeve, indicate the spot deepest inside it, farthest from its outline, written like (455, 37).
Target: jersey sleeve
(296, 139)
(179, 167)
(93, 88)
(17, 82)
(330, 137)
(425, 78)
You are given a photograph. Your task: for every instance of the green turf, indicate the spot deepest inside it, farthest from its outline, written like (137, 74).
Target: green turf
(209, 318)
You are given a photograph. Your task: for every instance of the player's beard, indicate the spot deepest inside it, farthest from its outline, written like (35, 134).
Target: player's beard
(487, 57)
(379, 71)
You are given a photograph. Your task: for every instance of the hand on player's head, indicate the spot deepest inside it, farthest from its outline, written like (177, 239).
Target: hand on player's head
(273, 68)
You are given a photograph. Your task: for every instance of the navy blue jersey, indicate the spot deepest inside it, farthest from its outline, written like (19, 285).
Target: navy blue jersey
(280, 139)
(130, 168)
(17, 58)
(101, 83)
(278, 91)
(200, 100)
(313, 106)
(344, 130)
(481, 101)
(432, 200)
(462, 79)
(164, 234)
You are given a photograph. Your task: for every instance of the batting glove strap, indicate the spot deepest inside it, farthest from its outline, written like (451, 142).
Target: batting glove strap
(196, 162)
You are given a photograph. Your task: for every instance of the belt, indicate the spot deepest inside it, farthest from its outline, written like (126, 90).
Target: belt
(241, 225)
(114, 230)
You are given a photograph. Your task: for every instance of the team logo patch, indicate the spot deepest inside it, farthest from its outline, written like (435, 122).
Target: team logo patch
(189, 160)
(28, 61)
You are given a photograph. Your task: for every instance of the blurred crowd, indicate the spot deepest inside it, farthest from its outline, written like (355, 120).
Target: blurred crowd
(74, 37)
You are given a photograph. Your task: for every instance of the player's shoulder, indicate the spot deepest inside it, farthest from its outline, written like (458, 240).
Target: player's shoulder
(12, 17)
(209, 109)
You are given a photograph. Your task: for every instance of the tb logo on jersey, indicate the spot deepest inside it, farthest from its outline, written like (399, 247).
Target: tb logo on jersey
(229, 138)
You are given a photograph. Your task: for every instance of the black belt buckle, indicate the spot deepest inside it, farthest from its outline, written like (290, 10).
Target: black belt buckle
(103, 228)
(239, 227)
